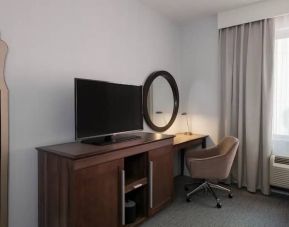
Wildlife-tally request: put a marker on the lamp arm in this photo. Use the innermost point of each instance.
(188, 124)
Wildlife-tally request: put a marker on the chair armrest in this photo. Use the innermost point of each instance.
(204, 153)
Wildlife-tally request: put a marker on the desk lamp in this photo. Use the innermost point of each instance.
(187, 119)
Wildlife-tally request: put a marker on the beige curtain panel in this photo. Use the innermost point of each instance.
(246, 70)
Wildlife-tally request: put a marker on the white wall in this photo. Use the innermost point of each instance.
(50, 43)
(200, 80)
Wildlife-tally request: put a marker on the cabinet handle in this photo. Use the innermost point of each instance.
(122, 197)
(151, 183)
(137, 186)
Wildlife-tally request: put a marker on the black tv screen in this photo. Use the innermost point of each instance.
(103, 108)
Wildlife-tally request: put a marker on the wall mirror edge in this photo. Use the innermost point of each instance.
(4, 133)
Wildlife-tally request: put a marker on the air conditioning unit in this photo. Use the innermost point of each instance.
(279, 171)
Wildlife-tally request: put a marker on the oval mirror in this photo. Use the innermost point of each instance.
(160, 100)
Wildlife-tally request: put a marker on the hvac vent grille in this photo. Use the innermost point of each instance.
(282, 160)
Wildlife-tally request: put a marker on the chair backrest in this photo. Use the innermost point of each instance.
(228, 147)
(228, 144)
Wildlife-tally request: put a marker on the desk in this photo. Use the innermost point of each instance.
(183, 142)
(73, 176)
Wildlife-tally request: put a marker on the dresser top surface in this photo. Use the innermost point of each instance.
(77, 150)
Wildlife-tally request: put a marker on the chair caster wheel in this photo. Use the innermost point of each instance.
(230, 195)
(219, 205)
(186, 188)
(189, 199)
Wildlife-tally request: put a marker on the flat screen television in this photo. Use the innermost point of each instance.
(104, 108)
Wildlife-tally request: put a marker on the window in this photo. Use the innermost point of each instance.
(281, 88)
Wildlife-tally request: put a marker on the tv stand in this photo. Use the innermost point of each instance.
(111, 139)
(87, 185)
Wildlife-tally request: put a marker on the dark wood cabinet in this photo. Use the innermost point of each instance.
(161, 178)
(96, 191)
(83, 185)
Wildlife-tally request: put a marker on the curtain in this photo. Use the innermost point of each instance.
(246, 70)
(281, 88)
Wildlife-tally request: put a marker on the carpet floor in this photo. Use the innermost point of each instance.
(245, 209)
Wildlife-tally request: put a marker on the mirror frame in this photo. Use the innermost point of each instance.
(170, 79)
(4, 137)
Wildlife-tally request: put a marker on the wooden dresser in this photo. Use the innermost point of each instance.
(83, 185)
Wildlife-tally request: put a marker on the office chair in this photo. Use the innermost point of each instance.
(212, 164)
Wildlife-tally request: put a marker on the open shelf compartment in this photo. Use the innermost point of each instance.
(139, 196)
(135, 171)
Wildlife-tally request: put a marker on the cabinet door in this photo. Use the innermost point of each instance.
(161, 178)
(97, 192)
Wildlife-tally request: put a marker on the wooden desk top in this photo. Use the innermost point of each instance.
(181, 138)
(76, 150)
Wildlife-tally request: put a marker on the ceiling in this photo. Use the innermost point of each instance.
(184, 10)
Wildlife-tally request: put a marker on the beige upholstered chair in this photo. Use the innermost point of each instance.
(212, 164)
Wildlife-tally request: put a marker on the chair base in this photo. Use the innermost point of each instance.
(208, 187)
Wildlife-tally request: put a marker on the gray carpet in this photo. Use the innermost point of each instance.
(245, 209)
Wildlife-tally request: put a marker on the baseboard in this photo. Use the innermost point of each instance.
(282, 191)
